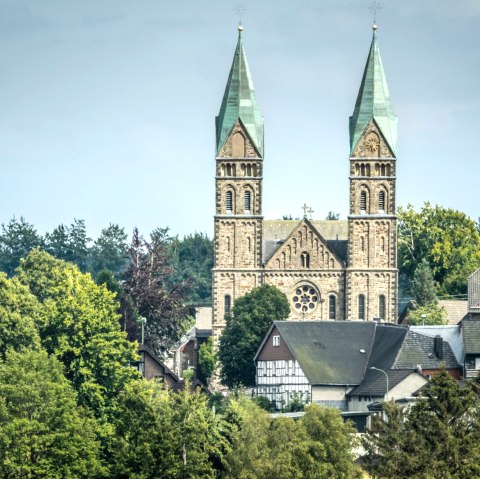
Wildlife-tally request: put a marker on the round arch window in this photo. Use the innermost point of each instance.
(305, 298)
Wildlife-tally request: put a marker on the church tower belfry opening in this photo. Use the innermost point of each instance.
(372, 275)
(238, 191)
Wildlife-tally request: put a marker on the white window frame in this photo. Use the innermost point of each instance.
(276, 341)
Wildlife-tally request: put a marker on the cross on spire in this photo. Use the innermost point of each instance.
(375, 7)
(240, 9)
(305, 209)
(310, 211)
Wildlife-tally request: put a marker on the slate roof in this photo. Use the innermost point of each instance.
(471, 336)
(450, 333)
(275, 232)
(456, 309)
(418, 349)
(329, 352)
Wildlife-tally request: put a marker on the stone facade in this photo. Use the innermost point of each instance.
(339, 270)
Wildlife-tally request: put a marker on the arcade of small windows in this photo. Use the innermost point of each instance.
(332, 307)
(305, 299)
(305, 260)
(229, 169)
(361, 307)
(383, 170)
(248, 170)
(363, 169)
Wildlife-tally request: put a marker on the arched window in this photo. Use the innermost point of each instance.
(305, 260)
(361, 307)
(368, 170)
(381, 201)
(381, 306)
(362, 170)
(229, 169)
(254, 170)
(363, 201)
(249, 170)
(238, 146)
(248, 201)
(332, 307)
(227, 303)
(229, 202)
(382, 170)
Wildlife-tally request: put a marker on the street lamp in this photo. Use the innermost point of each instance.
(143, 322)
(386, 375)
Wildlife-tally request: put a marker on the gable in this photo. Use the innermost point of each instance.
(233, 144)
(269, 352)
(372, 143)
(305, 248)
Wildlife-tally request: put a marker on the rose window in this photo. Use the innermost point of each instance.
(305, 298)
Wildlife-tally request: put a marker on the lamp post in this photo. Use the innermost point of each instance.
(386, 375)
(143, 321)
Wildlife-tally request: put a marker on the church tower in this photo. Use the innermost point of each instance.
(372, 275)
(238, 191)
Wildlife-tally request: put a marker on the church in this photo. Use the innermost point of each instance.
(329, 270)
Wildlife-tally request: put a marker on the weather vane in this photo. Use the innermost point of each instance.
(375, 7)
(240, 10)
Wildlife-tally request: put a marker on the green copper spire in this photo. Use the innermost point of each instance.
(239, 102)
(373, 101)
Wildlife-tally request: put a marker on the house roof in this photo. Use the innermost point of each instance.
(450, 333)
(334, 232)
(418, 349)
(471, 336)
(166, 369)
(456, 309)
(333, 352)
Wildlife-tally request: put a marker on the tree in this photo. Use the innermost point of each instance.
(155, 297)
(18, 238)
(423, 286)
(19, 310)
(446, 238)
(437, 437)
(332, 216)
(252, 315)
(69, 243)
(78, 324)
(207, 360)
(109, 251)
(430, 315)
(193, 263)
(43, 433)
(165, 434)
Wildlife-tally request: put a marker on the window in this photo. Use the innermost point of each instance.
(229, 202)
(305, 260)
(381, 201)
(276, 341)
(305, 298)
(248, 201)
(361, 307)
(381, 306)
(332, 307)
(227, 303)
(363, 201)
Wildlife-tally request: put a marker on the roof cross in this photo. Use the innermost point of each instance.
(240, 9)
(310, 211)
(305, 209)
(375, 7)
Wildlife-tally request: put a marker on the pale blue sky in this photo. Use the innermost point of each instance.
(108, 106)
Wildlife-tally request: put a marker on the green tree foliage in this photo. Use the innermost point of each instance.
(332, 216)
(19, 311)
(18, 238)
(69, 243)
(423, 286)
(78, 324)
(317, 446)
(165, 434)
(207, 360)
(446, 238)
(252, 315)
(430, 315)
(109, 251)
(437, 438)
(193, 262)
(43, 433)
(155, 297)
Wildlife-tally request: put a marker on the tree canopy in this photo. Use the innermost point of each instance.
(252, 315)
(447, 239)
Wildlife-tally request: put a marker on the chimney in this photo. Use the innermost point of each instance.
(438, 346)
